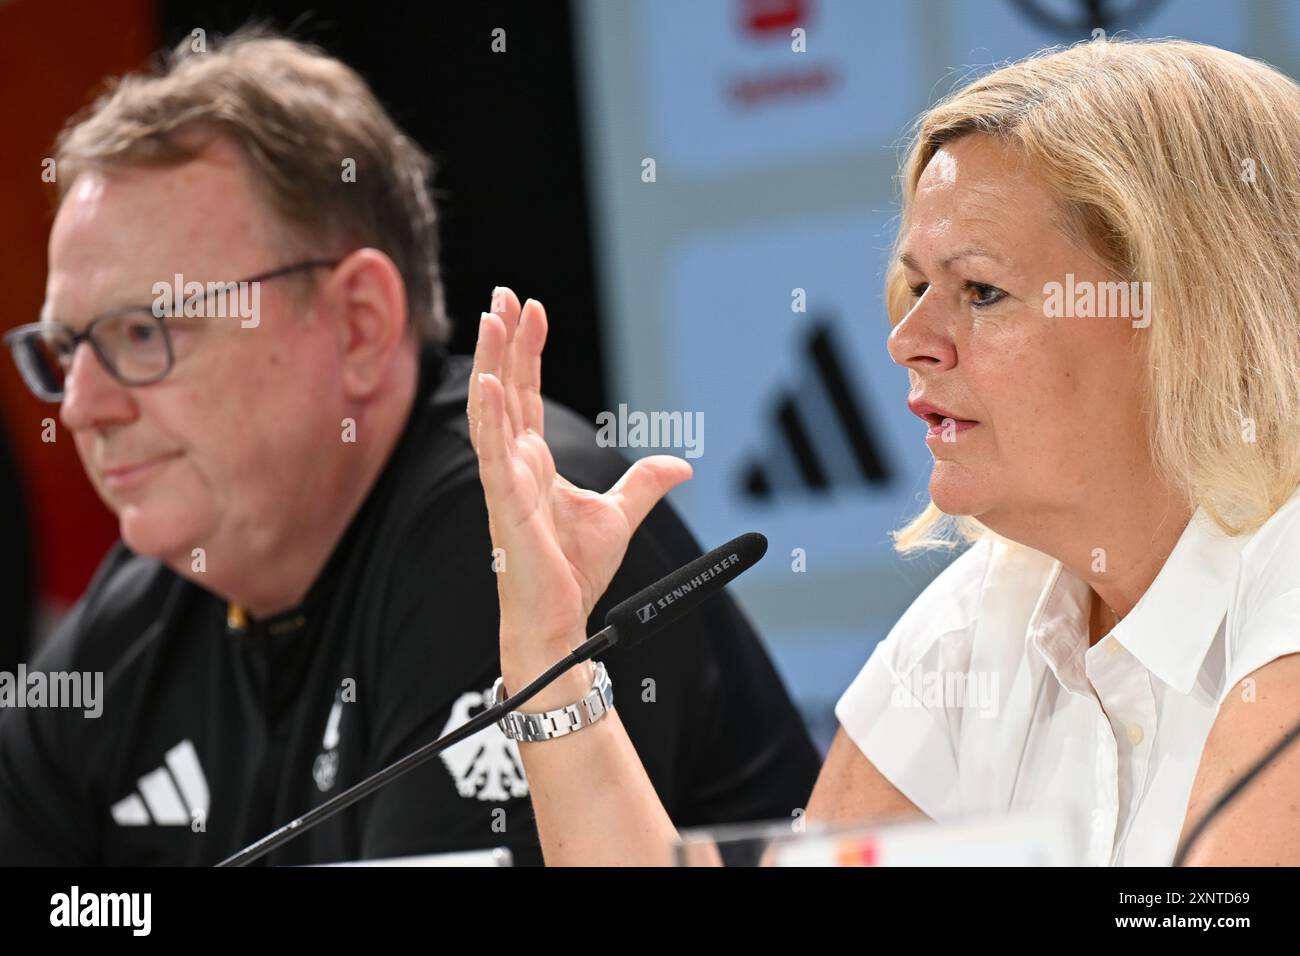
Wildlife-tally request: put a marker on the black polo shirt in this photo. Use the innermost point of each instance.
(214, 732)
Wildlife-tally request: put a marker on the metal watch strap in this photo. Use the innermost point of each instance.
(529, 728)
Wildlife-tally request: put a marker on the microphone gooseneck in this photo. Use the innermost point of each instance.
(629, 623)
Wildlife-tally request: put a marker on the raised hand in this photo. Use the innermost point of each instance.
(562, 544)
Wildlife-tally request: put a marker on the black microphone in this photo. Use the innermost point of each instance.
(665, 601)
(630, 622)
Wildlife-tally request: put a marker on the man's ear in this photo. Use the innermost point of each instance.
(368, 299)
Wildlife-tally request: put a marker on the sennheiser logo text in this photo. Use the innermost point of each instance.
(686, 587)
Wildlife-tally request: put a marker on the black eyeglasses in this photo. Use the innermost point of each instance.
(131, 342)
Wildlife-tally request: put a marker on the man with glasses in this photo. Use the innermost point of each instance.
(131, 342)
(305, 589)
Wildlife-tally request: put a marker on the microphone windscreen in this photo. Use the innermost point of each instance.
(675, 594)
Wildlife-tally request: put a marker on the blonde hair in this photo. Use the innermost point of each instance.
(297, 115)
(1177, 163)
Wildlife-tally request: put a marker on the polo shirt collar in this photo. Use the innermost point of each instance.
(1170, 629)
(1172, 626)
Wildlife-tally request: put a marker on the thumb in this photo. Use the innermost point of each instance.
(642, 485)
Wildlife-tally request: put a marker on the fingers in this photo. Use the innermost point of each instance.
(648, 480)
(511, 349)
(527, 348)
(489, 354)
(505, 305)
(493, 444)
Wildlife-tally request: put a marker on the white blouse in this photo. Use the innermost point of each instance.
(986, 698)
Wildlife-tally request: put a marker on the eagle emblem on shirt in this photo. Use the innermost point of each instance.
(487, 765)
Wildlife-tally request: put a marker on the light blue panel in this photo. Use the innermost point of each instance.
(737, 346)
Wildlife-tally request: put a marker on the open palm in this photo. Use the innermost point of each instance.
(561, 544)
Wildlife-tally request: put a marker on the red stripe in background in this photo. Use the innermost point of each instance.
(53, 59)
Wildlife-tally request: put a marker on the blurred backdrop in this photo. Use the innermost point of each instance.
(702, 192)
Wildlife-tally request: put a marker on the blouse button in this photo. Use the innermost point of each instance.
(1135, 734)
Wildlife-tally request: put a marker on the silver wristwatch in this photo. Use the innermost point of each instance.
(528, 728)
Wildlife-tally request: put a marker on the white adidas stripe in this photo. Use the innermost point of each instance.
(183, 760)
(163, 803)
(131, 812)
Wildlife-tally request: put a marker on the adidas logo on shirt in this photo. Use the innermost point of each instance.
(176, 794)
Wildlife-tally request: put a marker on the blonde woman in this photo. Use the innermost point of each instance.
(1095, 296)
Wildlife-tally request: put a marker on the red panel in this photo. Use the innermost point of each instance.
(53, 59)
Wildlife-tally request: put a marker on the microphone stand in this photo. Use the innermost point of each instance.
(696, 581)
(602, 640)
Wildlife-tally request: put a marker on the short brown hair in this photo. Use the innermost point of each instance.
(298, 115)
